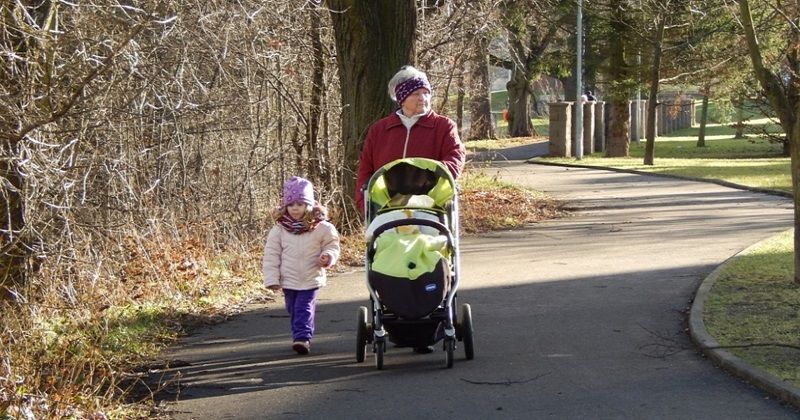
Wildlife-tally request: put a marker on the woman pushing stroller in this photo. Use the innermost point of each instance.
(412, 130)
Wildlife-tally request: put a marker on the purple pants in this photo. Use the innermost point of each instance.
(301, 305)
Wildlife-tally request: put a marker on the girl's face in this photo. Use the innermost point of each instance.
(297, 210)
(418, 102)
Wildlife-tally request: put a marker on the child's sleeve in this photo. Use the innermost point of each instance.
(271, 263)
(330, 244)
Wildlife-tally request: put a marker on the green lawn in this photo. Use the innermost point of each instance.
(754, 161)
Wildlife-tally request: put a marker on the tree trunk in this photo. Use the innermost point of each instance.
(618, 129)
(519, 122)
(739, 105)
(701, 137)
(315, 163)
(655, 75)
(617, 144)
(373, 40)
(460, 104)
(480, 105)
(15, 253)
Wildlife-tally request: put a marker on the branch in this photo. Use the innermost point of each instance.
(505, 383)
(76, 94)
(691, 73)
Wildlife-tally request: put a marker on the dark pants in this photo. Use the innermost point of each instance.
(301, 305)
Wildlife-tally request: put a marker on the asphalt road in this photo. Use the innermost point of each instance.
(578, 318)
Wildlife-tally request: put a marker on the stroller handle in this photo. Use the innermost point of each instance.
(407, 222)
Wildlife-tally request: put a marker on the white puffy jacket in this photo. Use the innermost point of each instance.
(292, 260)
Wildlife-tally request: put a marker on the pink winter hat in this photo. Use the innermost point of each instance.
(298, 189)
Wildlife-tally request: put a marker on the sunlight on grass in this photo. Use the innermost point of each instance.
(501, 143)
(138, 330)
(754, 163)
(754, 302)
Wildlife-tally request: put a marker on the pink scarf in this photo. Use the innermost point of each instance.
(298, 227)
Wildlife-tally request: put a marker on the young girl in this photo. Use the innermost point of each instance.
(299, 248)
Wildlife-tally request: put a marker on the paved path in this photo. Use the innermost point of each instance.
(577, 318)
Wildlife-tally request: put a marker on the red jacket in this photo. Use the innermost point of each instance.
(433, 136)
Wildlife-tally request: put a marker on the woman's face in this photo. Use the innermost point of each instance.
(418, 102)
(297, 210)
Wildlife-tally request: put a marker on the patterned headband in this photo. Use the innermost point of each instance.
(402, 90)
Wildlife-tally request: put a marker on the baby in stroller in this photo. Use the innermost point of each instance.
(409, 251)
(412, 258)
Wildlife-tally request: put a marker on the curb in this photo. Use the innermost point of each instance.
(724, 359)
(687, 178)
(773, 385)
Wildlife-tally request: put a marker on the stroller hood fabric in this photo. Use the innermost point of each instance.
(441, 190)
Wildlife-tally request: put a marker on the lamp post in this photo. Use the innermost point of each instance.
(578, 85)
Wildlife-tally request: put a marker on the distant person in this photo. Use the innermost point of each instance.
(413, 130)
(299, 248)
(590, 96)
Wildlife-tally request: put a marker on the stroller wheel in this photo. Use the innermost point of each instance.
(449, 350)
(465, 319)
(361, 334)
(380, 348)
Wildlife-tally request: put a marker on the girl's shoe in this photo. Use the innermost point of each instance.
(301, 347)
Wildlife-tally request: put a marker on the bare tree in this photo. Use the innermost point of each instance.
(532, 27)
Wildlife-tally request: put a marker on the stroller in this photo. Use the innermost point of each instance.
(412, 262)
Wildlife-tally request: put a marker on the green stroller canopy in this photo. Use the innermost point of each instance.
(430, 177)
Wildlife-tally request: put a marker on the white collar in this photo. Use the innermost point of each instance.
(409, 121)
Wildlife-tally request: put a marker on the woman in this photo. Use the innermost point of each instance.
(413, 130)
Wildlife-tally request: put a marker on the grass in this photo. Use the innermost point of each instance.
(88, 359)
(754, 162)
(488, 203)
(753, 307)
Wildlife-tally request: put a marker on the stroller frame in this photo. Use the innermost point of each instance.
(376, 324)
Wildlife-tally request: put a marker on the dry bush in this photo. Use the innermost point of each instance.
(140, 143)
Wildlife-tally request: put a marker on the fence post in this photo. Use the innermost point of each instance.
(560, 144)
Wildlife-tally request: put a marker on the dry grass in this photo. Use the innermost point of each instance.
(79, 350)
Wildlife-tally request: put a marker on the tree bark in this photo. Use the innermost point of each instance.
(373, 40)
(480, 105)
(738, 104)
(655, 75)
(519, 122)
(315, 163)
(701, 137)
(14, 252)
(617, 144)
